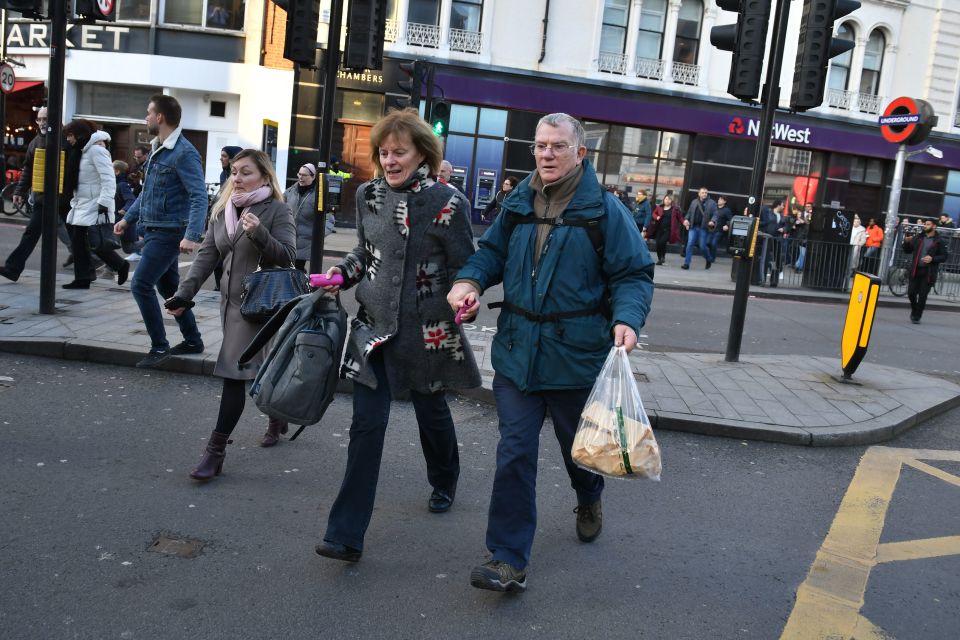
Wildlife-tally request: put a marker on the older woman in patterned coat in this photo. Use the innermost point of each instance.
(413, 235)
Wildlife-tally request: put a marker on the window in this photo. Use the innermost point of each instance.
(424, 11)
(114, 100)
(872, 63)
(134, 10)
(465, 15)
(613, 32)
(212, 14)
(653, 18)
(840, 66)
(688, 32)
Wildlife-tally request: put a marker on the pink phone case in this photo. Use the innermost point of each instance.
(321, 280)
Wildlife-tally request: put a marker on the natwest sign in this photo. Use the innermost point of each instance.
(782, 131)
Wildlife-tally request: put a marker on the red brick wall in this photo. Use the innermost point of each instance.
(275, 29)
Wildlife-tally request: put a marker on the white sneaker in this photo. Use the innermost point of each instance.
(133, 257)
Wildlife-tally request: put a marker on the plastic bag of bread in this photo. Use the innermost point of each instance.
(614, 437)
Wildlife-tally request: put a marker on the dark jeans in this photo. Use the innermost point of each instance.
(82, 258)
(512, 520)
(351, 511)
(17, 259)
(158, 272)
(697, 237)
(917, 291)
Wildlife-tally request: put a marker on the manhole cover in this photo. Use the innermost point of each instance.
(641, 377)
(180, 547)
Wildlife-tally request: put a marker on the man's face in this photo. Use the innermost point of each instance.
(42, 119)
(943, 218)
(152, 120)
(554, 163)
(446, 171)
(808, 208)
(721, 202)
(224, 159)
(139, 156)
(779, 208)
(703, 194)
(929, 226)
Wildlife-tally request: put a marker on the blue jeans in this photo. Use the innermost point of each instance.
(351, 511)
(512, 521)
(698, 237)
(158, 271)
(802, 254)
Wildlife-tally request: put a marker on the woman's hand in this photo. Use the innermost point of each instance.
(176, 305)
(332, 288)
(250, 222)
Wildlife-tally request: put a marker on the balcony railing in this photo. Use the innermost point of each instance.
(391, 31)
(684, 73)
(956, 119)
(612, 63)
(649, 68)
(466, 41)
(423, 35)
(869, 103)
(839, 99)
(854, 100)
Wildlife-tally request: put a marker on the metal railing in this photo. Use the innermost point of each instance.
(391, 32)
(862, 102)
(649, 68)
(423, 35)
(839, 99)
(956, 119)
(612, 63)
(466, 41)
(683, 73)
(869, 103)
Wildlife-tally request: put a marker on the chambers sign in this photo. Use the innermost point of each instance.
(782, 131)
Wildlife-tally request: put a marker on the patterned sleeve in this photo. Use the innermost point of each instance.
(354, 264)
(458, 241)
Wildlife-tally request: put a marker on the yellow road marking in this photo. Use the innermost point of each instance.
(829, 600)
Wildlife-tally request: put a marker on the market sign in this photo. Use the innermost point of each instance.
(907, 121)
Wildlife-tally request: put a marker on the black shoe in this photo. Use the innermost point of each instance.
(914, 319)
(684, 266)
(77, 284)
(659, 263)
(497, 575)
(440, 501)
(68, 261)
(709, 264)
(589, 521)
(153, 359)
(9, 275)
(185, 347)
(123, 273)
(338, 551)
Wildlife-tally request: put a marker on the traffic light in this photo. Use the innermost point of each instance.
(101, 10)
(366, 23)
(303, 17)
(440, 118)
(746, 39)
(410, 86)
(815, 48)
(29, 8)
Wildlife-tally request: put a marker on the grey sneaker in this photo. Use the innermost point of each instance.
(153, 359)
(589, 521)
(185, 348)
(497, 575)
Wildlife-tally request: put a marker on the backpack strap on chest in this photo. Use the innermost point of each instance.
(591, 226)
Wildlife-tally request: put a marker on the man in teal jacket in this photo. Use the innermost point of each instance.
(577, 280)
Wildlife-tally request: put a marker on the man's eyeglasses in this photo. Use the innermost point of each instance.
(558, 148)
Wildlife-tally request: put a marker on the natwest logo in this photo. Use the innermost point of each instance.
(781, 131)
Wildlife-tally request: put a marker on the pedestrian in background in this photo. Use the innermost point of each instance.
(801, 234)
(250, 228)
(871, 255)
(642, 212)
(88, 176)
(701, 218)
(412, 233)
(721, 226)
(123, 200)
(665, 226)
(492, 210)
(858, 238)
(302, 200)
(554, 333)
(929, 252)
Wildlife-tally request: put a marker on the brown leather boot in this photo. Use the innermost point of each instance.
(212, 460)
(274, 429)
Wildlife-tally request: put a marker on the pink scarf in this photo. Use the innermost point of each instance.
(242, 201)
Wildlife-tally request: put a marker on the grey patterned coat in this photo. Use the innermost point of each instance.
(273, 241)
(411, 242)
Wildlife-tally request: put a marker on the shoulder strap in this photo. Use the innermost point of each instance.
(591, 226)
(267, 332)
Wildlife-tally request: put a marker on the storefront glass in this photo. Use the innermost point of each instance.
(358, 106)
(114, 100)
(134, 10)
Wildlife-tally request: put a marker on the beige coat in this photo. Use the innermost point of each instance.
(275, 240)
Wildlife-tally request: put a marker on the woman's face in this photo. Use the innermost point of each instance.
(72, 139)
(856, 221)
(667, 202)
(507, 186)
(224, 159)
(399, 159)
(304, 177)
(246, 176)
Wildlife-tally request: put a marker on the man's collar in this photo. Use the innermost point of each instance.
(168, 142)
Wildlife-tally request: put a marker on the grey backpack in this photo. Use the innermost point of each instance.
(298, 378)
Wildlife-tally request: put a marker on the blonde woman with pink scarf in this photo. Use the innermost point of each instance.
(250, 225)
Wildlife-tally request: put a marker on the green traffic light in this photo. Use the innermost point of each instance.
(438, 128)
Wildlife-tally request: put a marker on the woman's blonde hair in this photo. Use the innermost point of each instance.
(407, 122)
(265, 167)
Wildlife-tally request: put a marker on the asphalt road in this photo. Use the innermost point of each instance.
(94, 462)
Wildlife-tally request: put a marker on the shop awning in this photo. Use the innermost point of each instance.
(20, 85)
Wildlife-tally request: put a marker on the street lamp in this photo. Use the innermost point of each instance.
(893, 206)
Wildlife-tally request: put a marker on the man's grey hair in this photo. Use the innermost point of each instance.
(446, 164)
(556, 119)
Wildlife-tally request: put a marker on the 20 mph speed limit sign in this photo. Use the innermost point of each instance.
(7, 78)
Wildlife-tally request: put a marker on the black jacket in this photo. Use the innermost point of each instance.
(24, 184)
(939, 254)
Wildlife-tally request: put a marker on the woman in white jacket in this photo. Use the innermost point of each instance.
(858, 238)
(89, 176)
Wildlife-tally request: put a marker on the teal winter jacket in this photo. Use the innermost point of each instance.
(538, 355)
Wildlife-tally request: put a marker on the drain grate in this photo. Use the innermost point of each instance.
(59, 301)
(180, 547)
(641, 377)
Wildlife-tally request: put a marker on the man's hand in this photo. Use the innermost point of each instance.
(686, 224)
(17, 201)
(187, 246)
(726, 227)
(119, 228)
(624, 336)
(458, 296)
(927, 259)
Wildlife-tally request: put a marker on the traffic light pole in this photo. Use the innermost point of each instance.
(51, 169)
(332, 66)
(770, 101)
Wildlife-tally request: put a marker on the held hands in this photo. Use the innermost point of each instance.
(119, 228)
(624, 336)
(686, 224)
(464, 295)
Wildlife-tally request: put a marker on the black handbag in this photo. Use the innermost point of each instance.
(265, 291)
(101, 236)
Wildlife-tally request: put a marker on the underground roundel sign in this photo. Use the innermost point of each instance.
(907, 121)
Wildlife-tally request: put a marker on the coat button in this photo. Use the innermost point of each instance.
(395, 279)
(398, 253)
(393, 306)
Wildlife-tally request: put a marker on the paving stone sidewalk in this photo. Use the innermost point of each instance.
(790, 399)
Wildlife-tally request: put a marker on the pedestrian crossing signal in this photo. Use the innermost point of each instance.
(440, 118)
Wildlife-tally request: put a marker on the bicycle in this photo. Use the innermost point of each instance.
(898, 281)
(6, 196)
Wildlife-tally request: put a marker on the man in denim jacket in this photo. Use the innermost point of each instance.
(171, 209)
